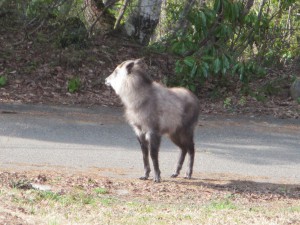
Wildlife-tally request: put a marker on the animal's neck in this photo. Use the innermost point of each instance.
(135, 97)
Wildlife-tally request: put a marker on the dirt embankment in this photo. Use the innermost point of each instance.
(38, 71)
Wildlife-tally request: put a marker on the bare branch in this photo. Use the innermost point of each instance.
(180, 24)
(121, 14)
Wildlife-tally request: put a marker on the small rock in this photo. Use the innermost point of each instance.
(295, 89)
(41, 187)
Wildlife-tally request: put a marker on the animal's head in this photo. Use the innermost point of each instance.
(121, 77)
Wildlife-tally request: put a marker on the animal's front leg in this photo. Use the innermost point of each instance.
(154, 143)
(144, 146)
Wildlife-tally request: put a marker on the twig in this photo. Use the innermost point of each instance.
(38, 27)
(180, 24)
(121, 13)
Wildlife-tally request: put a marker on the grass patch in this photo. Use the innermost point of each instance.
(92, 201)
(47, 195)
(74, 85)
(107, 201)
(295, 209)
(222, 204)
(80, 207)
(101, 191)
(79, 198)
(3, 81)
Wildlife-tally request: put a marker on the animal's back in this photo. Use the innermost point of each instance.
(176, 107)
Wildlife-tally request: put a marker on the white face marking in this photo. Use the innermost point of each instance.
(117, 78)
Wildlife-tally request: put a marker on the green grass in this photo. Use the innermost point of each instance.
(74, 85)
(3, 81)
(167, 203)
(222, 204)
(80, 207)
(101, 191)
(295, 209)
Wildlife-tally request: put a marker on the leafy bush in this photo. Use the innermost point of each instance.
(48, 8)
(73, 85)
(225, 39)
(74, 33)
(3, 81)
(210, 46)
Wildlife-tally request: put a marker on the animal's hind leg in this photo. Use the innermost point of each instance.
(177, 141)
(179, 163)
(144, 146)
(191, 153)
(184, 140)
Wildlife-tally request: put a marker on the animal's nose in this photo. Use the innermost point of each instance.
(106, 82)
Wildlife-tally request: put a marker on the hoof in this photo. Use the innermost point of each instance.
(174, 175)
(156, 180)
(143, 178)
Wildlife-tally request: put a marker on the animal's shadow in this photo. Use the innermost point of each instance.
(248, 188)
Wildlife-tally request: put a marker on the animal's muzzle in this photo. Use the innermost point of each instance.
(107, 83)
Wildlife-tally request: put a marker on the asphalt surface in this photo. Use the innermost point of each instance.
(36, 136)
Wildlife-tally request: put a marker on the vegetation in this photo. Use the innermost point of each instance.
(53, 47)
(90, 199)
(214, 44)
(218, 37)
(225, 38)
(3, 81)
(73, 85)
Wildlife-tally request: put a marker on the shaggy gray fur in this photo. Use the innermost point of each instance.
(154, 110)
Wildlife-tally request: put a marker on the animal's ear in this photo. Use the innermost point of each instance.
(139, 61)
(129, 67)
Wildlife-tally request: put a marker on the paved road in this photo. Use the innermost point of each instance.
(98, 137)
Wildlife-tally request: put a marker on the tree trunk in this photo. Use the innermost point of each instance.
(142, 22)
(171, 29)
(289, 23)
(162, 27)
(181, 23)
(261, 6)
(248, 6)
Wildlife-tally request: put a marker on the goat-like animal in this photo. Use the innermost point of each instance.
(154, 110)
